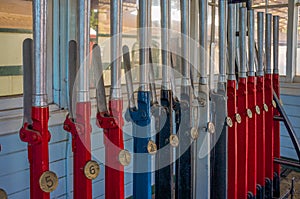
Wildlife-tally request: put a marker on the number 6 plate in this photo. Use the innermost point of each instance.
(48, 181)
(91, 170)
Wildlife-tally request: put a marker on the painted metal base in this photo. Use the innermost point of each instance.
(37, 136)
(141, 159)
(276, 185)
(81, 147)
(260, 192)
(113, 141)
(163, 179)
(268, 189)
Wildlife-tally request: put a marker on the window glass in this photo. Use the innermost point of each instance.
(15, 26)
(282, 13)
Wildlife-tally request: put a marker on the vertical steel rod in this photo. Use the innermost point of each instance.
(231, 104)
(242, 44)
(165, 25)
(116, 47)
(163, 174)
(269, 109)
(260, 125)
(203, 180)
(275, 44)
(142, 118)
(203, 41)
(185, 47)
(40, 61)
(143, 44)
(222, 41)
(268, 40)
(35, 130)
(276, 183)
(260, 41)
(183, 185)
(83, 36)
(251, 86)
(251, 42)
(242, 128)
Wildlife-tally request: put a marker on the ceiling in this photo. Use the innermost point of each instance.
(17, 13)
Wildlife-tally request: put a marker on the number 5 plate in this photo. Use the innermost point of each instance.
(91, 170)
(48, 181)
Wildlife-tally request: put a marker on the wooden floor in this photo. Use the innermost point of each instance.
(285, 183)
(16, 14)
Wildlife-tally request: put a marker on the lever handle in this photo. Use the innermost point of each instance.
(128, 77)
(100, 89)
(152, 80)
(27, 79)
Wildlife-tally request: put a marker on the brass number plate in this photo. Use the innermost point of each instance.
(194, 133)
(91, 169)
(266, 108)
(3, 194)
(274, 104)
(48, 181)
(229, 122)
(151, 147)
(124, 157)
(211, 127)
(257, 109)
(238, 118)
(249, 113)
(174, 141)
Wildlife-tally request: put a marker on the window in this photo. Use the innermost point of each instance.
(15, 26)
(279, 8)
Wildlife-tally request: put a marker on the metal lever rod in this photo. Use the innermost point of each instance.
(100, 89)
(203, 142)
(251, 43)
(260, 41)
(260, 122)
(83, 20)
(73, 69)
(152, 79)
(115, 47)
(222, 41)
(128, 76)
(165, 25)
(275, 44)
(268, 42)
(27, 78)
(40, 60)
(231, 104)
(143, 44)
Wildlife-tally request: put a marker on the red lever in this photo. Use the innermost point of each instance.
(81, 146)
(260, 128)
(269, 126)
(113, 140)
(242, 138)
(252, 169)
(37, 136)
(276, 125)
(232, 140)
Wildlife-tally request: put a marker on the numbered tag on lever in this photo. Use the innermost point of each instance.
(48, 181)
(91, 169)
(174, 140)
(151, 147)
(3, 194)
(124, 157)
